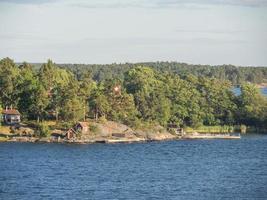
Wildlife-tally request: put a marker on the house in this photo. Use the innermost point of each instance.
(174, 128)
(79, 128)
(11, 116)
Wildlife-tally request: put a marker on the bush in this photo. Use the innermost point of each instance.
(93, 128)
(64, 125)
(12, 129)
(102, 119)
(243, 128)
(43, 130)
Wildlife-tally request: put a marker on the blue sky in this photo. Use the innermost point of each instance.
(107, 31)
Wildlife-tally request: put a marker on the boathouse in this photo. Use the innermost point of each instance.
(11, 116)
(175, 129)
(79, 128)
(82, 127)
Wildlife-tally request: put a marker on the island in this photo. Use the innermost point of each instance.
(56, 103)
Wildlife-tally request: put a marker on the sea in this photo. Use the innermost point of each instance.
(237, 91)
(180, 169)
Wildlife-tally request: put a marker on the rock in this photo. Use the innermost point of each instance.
(23, 139)
(25, 131)
(157, 133)
(108, 128)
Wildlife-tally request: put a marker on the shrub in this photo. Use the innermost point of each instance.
(12, 129)
(64, 125)
(102, 119)
(43, 130)
(243, 128)
(93, 128)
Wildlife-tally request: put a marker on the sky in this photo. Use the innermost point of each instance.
(117, 31)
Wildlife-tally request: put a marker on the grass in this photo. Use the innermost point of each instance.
(210, 129)
(3, 139)
(5, 130)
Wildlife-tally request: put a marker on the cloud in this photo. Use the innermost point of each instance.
(166, 3)
(249, 3)
(142, 3)
(27, 1)
(210, 31)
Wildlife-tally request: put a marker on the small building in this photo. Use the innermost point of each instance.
(79, 128)
(11, 116)
(175, 129)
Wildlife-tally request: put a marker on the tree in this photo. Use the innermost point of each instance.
(39, 102)
(27, 87)
(9, 81)
(99, 104)
(47, 75)
(185, 100)
(253, 106)
(218, 101)
(86, 87)
(72, 105)
(147, 87)
(62, 80)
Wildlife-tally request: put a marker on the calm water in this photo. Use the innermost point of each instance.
(188, 169)
(237, 91)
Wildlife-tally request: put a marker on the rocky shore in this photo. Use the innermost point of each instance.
(110, 132)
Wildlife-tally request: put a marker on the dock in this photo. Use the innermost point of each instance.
(211, 136)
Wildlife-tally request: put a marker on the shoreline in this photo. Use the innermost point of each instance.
(111, 132)
(261, 85)
(22, 139)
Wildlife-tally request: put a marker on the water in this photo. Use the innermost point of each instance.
(187, 169)
(264, 91)
(237, 91)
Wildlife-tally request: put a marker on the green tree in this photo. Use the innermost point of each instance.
(72, 105)
(253, 106)
(86, 87)
(43, 130)
(39, 102)
(27, 87)
(147, 87)
(9, 80)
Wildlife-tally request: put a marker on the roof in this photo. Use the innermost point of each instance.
(11, 112)
(83, 124)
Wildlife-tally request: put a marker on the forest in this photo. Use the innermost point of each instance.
(236, 75)
(134, 94)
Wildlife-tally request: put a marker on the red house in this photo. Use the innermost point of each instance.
(80, 127)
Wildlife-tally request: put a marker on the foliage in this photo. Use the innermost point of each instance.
(1, 115)
(9, 80)
(157, 93)
(252, 106)
(93, 128)
(211, 129)
(43, 130)
(234, 74)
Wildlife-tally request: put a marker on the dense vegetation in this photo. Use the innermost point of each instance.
(236, 75)
(140, 95)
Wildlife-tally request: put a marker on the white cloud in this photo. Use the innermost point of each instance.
(142, 3)
(121, 31)
(214, 2)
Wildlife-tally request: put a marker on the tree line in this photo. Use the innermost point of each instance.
(236, 75)
(142, 95)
